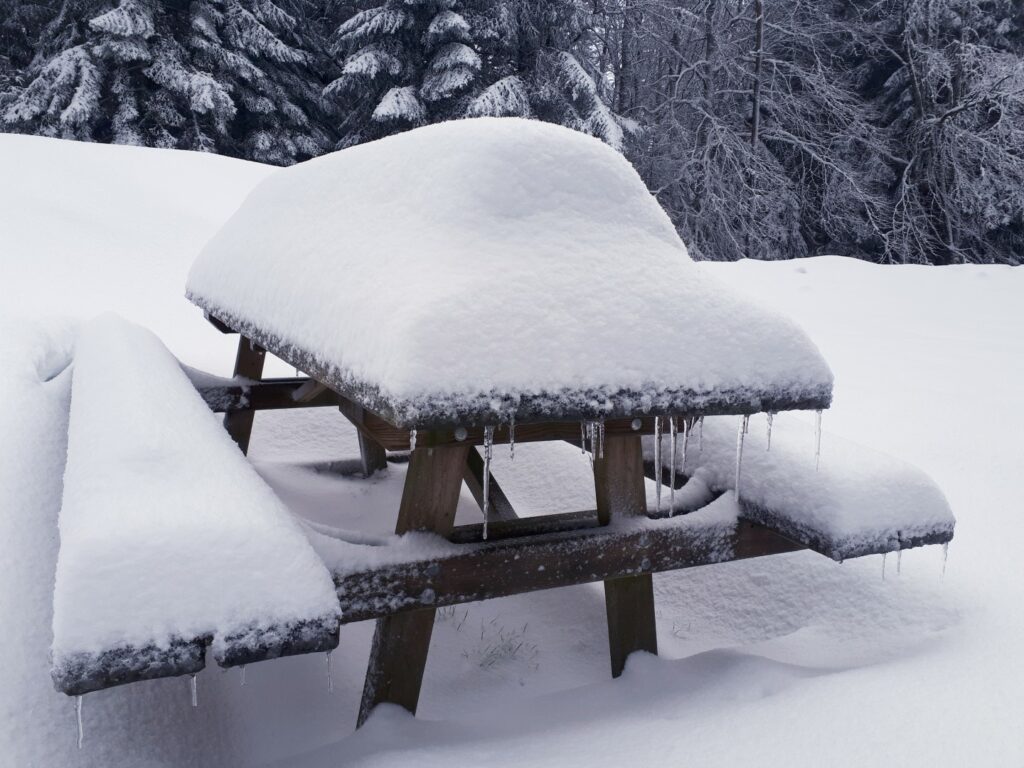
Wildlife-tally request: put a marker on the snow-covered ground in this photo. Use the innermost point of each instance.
(792, 660)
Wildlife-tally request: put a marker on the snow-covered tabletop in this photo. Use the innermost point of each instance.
(477, 270)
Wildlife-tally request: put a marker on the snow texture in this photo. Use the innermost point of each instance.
(168, 536)
(857, 502)
(471, 270)
(813, 658)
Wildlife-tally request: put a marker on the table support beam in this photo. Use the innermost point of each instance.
(629, 600)
(401, 641)
(248, 364)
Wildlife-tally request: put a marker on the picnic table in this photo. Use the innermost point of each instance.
(444, 318)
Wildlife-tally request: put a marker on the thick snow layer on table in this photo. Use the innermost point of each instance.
(167, 533)
(478, 267)
(853, 501)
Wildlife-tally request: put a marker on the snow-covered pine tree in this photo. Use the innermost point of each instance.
(403, 63)
(231, 76)
(409, 62)
(21, 24)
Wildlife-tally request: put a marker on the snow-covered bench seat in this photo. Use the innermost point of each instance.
(479, 271)
(169, 539)
(854, 501)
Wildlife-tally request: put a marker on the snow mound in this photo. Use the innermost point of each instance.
(855, 502)
(168, 536)
(476, 269)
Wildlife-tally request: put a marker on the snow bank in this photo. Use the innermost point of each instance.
(856, 502)
(168, 536)
(463, 271)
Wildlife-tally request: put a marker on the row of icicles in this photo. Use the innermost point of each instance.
(593, 433)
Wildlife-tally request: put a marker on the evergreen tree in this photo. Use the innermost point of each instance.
(409, 62)
(21, 24)
(229, 76)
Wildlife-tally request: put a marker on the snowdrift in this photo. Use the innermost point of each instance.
(478, 269)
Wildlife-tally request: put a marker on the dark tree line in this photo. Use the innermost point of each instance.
(892, 130)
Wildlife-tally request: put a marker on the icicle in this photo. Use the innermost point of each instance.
(657, 464)
(195, 690)
(884, 555)
(817, 438)
(488, 450)
(512, 437)
(330, 677)
(687, 429)
(600, 437)
(771, 418)
(899, 561)
(673, 439)
(412, 439)
(242, 670)
(945, 557)
(700, 434)
(78, 717)
(744, 425)
(583, 437)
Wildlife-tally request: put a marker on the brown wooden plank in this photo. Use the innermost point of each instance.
(557, 559)
(499, 508)
(263, 395)
(371, 454)
(401, 641)
(629, 601)
(524, 526)
(530, 409)
(309, 391)
(248, 364)
(218, 324)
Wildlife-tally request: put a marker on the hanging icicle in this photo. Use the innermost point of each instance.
(412, 439)
(771, 418)
(884, 555)
(673, 439)
(600, 437)
(488, 444)
(195, 690)
(744, 425)
(657, 464)
(78, 718)
(242, 670)
(330, 677)
(700, 434)
(583, 437)
(945, 557)
(512, 436)
(899, 561)
(817, 439)
(687, 429)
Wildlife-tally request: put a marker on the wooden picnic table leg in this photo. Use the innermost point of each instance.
(248, 364)
(629, 600)
(400, 642)
(371, 454)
